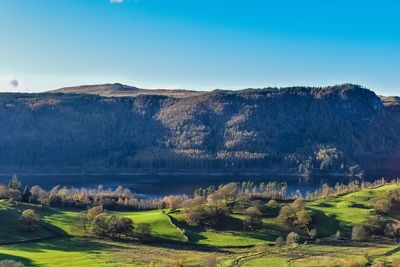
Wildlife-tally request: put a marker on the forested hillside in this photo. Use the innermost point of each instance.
(343, 129)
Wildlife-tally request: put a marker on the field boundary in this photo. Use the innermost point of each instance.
(170, 219)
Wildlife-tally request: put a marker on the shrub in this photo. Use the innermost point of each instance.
(280, 241)
(292, 238)
(382, 206)
(272, 204)
(252, 221)
(374, 225)
(313, 233)
(29, 220)
(345, 204)
(359, 233)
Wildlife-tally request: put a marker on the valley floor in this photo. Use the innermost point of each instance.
(58, 242)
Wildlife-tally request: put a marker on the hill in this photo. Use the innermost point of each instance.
(59, 241)
(337, 129)
(121, 90)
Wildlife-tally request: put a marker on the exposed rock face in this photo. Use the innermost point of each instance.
(294, 129)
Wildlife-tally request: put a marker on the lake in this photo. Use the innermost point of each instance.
(153, 186)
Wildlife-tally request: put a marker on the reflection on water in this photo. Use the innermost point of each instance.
(161, 185)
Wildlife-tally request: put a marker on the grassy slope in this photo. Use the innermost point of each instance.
(334, 214)
(60, 252)
(161, 226)
(10, 230)
(344, 212)
(230, 233)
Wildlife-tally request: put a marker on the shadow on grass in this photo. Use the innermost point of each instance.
(392, 251)
(327, 225)
(233, 226)
(65, 245)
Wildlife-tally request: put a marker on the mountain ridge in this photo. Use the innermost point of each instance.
(336, 129)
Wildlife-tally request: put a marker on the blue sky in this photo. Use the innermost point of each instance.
(201, 45)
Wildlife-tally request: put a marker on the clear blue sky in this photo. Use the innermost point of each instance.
(205, 44)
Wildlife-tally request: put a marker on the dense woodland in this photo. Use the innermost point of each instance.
(345, 129)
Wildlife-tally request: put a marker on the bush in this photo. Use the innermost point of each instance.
(292, 238)
(313, 233)
(280, 241)
(29, 220)
(10, 263)
(253, 219)
(345, 204)
(359, 233)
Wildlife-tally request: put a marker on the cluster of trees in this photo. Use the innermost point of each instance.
(291, 239)
(267, 190)
(98, 222)
(82, 198)
(378, 225)
(295, 214)
(211, 205)
(339, 189)
(388, 204)
(209, 210)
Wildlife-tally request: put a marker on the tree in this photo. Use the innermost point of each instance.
(313, 233)
(303, 219)
(100, 225)
(26, 194)
(272, 204)
(143, 232)
(14, 183)
(382, 206)
(253, 219)
(359, 233)
(122, 226)
(288, 214)
(392, 229)
(29, 220)
(374, 225)
(227, 192)
(292, 238)
(94, 212)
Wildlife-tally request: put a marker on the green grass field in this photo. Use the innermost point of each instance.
(161, 226)
(58, 243)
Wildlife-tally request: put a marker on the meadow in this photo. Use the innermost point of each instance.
(58, 242)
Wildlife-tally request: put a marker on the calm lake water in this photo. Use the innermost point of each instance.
(161, 185)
